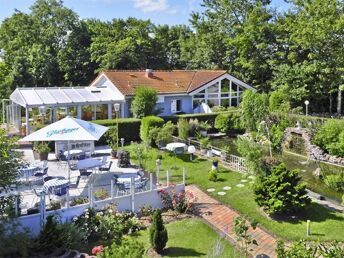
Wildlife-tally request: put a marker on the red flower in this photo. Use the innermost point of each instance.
(97, 249)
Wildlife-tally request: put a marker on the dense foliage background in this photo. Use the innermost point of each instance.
(298, 52)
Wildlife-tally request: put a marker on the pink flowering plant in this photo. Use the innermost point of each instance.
(180, 202)
(97, 249)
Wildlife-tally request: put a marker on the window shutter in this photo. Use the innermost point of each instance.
(174, 106)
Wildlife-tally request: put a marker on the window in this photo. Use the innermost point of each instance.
(176, 105)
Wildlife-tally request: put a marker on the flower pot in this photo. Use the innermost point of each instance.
(114, 153)
(203, 133)
(43, 156)
(203, 151)
(36, 155)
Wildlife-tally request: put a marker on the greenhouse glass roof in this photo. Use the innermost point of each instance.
(69, 96)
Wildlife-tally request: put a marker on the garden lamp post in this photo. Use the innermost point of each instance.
(306, 103)
(265, 126)
(191, 150)
(122, 142)
(116, 108)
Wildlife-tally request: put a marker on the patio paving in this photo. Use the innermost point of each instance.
(98, 179)
(221, 217)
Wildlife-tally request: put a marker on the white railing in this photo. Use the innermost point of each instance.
(234, 162)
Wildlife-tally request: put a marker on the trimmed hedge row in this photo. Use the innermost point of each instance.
(210, 117)
(128, 128)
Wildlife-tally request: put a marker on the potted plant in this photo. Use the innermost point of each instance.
(41, 150)
(204, 127)
(204, 143)
(111, 139)
(101, 194)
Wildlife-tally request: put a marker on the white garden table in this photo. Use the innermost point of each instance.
(174, 145)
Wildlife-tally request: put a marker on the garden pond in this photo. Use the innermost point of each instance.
(294, 158)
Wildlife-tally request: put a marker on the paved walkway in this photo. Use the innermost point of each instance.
(221, 218)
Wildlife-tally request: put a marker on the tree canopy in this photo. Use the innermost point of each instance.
(298, 52)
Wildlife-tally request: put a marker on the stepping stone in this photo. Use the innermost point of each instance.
(211, 190)
(303, 170)
(243, 180)
(221, 193)
(251, 182)
(251, 177)
(227, 188)
(303, 162)
(240, 185)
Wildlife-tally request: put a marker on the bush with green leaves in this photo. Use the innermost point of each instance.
(54, 236)
(254, 109)
(165, 133)
(147, 124)
(212, 175)
(330, 137)
(158, 233)
(281, 192)
(223, 123)
(251, 151)
(307, 249)
(279, 101)
(183, 128)
(127, 248)
(144, 101)
(335, 182)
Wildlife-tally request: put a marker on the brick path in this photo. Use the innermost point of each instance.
(221, 218)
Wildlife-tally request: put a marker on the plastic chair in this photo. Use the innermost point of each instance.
(106, 167)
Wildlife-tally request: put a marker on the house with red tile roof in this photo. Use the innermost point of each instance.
(179, 91)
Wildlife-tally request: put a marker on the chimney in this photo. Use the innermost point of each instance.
(149, 73)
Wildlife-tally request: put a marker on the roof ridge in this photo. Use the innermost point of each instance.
(176, 70)
(191, 82)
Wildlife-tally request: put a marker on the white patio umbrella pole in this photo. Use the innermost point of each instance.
(68, 149)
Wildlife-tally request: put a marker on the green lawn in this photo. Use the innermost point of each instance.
(325, 224)
(189, 238)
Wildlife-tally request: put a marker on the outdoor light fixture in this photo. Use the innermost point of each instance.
(306, 103)
(122, 142)
(116, 107)
(191, 150)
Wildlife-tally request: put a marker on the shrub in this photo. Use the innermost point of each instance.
(223, 123)
(306, 249)
(329, 134)
(204, 142)
(281, 192)
(128, 248)
(183, 129)
(335, 182)
(54, 236)
(41, 147)
(278, 101)
(128, 128)
(212, 175)
(147, 123)
(218, 109)
(143, 102)
(251, 151)
(101, 194)
(165, 133)
(158, 233)
(254, 109)
(78, 201)
(180, 202)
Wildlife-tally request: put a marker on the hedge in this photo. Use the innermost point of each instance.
(210, 117)
(128, 128)
(147, 123)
